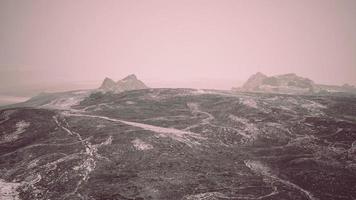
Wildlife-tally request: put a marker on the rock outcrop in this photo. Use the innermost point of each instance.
(286, 83)
(128, 83)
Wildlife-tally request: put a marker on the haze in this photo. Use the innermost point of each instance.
(66, 44)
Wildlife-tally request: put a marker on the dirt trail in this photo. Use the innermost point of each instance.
(91, 153)
(258, 168)
(186, 137)
(194, 107)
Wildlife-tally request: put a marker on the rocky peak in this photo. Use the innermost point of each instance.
(289, 83)
(128, 83)
(130, 77)
(259, 74)
(254, 81)
(108, 80)
(107, 84)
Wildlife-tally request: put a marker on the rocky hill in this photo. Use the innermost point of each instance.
(128, 83)
(290, 84)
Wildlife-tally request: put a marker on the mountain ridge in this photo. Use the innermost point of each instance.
(290, 83)
(130, 82)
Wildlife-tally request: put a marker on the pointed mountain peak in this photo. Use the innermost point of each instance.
(107, 84)
(130, 77)
(108, 80)
(254, 81)
(130, 82)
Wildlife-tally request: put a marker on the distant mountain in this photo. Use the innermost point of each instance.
(290, 84)
(254, 81)
(128, 83)
(65, 100)
(108, 84)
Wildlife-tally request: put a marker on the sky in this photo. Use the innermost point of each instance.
(173, 43)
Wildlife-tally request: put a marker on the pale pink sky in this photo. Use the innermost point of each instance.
(181, 43)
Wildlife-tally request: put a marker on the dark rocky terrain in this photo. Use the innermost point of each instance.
(179, 144)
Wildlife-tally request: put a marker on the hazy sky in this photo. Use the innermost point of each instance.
(175, 43)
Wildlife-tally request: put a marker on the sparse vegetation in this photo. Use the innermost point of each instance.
(245, 146)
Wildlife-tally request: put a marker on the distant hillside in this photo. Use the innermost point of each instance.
(290, 84)
(64, 100)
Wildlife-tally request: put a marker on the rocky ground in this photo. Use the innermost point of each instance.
(180, 144)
